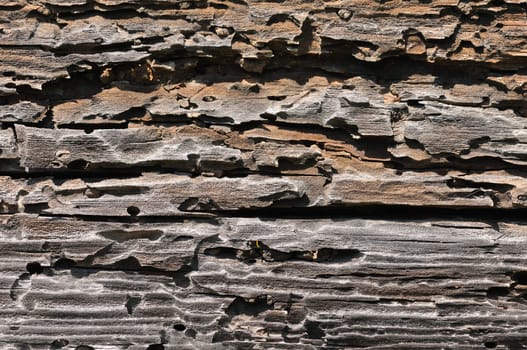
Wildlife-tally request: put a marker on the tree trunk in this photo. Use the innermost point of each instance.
(263, 174)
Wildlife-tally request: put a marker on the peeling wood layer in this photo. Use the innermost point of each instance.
(263, 175)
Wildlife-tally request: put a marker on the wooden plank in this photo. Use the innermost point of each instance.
(249, 174)
(255, 281)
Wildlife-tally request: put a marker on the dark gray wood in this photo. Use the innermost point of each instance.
(240, 282)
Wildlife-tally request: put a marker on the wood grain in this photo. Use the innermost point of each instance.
(263, 174)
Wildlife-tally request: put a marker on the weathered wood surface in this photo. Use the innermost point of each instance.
(290, 284)
(263, 174)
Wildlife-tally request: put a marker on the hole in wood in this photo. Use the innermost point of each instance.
(268, 116)
(131, 303)
(490, 345)
(255, 88)
(495, 292)
(209, 98)
(276, 98)
(59, 343)
(242, 306)
(179, 327)
(64, 263)
(155, 347)
(520, 277)
(133, 211)
(313, 330)
(79, 164)
(34, 267)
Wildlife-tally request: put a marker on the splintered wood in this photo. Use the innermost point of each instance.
(263, 174)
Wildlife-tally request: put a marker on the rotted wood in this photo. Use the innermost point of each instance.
(263, 175)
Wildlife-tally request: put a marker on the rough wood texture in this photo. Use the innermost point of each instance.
(263, 174)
